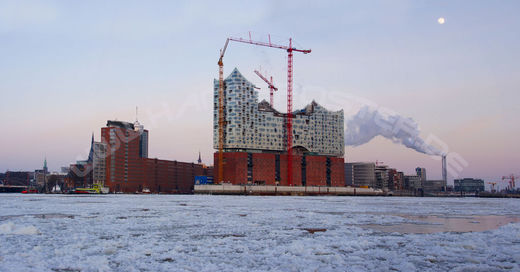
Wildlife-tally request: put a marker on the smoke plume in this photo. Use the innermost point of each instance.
(369, 123)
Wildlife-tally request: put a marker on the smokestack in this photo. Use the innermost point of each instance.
(444, 172)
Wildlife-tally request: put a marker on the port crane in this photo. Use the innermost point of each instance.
(511, 179)
(289, 49)
(272, 88)
(492, 186)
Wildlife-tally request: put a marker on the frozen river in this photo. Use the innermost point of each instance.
(248, 233)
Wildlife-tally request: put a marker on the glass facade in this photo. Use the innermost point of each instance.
(256, 126)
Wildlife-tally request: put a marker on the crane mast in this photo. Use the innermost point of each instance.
(272, 88)
(221, 120)
(289, 114)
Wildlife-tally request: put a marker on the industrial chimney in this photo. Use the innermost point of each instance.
(444, 172)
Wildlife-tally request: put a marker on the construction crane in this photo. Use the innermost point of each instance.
(272, 88)
(221, 120)
(511, 179)
(290, 49)
(492, 186)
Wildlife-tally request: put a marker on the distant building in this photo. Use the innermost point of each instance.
(207, 170)
(17, 178)
(412, 182)
(360, 174)
(56, 182)
(469, 185)
(80, 175)
(91, 171)
(85, 173)
(143, 139)
(98, 163)
(434, 186)
(400, 181)
(125, 148)
(382, 177)
(395, 180)
(40, 176)
(128, 170)
(421, 172)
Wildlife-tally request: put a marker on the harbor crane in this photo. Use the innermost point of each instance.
(492, 186)
(511, 179)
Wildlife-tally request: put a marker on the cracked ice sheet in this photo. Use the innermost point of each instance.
(238, 233)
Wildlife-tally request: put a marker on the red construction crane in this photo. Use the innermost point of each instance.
(511, 178)
(290, 49)
(272, 88)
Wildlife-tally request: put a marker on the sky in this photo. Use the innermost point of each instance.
(66, 67)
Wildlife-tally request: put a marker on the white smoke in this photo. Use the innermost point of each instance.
(369, 123)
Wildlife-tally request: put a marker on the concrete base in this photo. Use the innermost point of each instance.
(229, 189)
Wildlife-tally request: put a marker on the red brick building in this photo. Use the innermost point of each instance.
(128, 169)
(17, 178)
(271, 169)
(162, 176)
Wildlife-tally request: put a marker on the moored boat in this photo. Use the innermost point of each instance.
(96, 189)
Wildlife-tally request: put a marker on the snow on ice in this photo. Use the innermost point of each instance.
(242, 233)
(10, 228)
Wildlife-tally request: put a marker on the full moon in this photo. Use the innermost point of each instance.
(441, 20)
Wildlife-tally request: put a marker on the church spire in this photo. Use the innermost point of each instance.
(199, 160)
(91, 153)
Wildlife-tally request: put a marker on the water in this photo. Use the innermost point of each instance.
(436, 223)
(208, 233)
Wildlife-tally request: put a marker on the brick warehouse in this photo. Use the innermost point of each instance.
(128, 169)
(254, 140)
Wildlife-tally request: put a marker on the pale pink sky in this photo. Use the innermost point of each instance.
(67, 67)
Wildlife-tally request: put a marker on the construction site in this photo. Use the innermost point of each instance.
(259, 145)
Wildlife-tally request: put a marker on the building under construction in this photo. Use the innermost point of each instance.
(255, 136)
